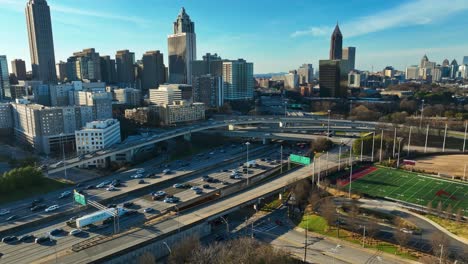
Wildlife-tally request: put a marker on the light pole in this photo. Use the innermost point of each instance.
(227, 225)
(381, 146)
(281, 154)
(422, 110)
(441, 251)
(394, 143)
(63, 155)
(398, 160)
(328, 130)
(427, 135)
(445, 136)
(168, 248)
(247, 162)
(409, 140)
(339, 155)
(351, 170)
(373, 144)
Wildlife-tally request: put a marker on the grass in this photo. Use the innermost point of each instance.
(457, 228)
(49, 185)
(413, 188)
(318, 224)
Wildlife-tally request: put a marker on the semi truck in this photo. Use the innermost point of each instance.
(99, 216)
(251, 164)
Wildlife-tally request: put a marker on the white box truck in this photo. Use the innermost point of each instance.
(97, 217)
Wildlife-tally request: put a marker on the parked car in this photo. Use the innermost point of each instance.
(74, 232)
(42, 239)
(56, 232)
(52, 208)
(148, 210)
(9, 239)
(26, 238)
(206, 186)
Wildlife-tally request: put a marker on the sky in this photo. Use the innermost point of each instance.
(277, 36)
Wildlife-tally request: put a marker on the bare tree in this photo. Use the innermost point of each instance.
(459, 216)
(301, 191)
(328, 211)
(183, 251)
(439, 209)
(429, 207)
(440, 243)
(372, 229)
(314, 198)
(448, 212)
(401, 237)
(147, 258)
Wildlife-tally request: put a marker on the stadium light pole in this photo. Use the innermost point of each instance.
(394, 143)
(362, 147)
(409, 140)
(422, 111)
(464, 138)
(381, 147)
(281, 154)
(247, 162)
(351, 170)
(328, 130)
(319, 169)
(373, 144)
(445, 136)
(326, 172)
(398, 160)
(339, 156)
(427, 135)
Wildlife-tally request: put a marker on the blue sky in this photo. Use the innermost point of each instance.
(276, 35)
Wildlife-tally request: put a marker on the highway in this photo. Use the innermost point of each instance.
(27, 252)
(22, 208)
(198, 214)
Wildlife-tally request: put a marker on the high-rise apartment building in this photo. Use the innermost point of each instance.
(87, 65)
(165, 94)
(153, 72)
(208, 89)
(128, 96)
(412, 72)
(305, 73)
(333, 78)
(108, 71)
(60, 94)
(61, 69)
(349, 53)
(18, 68)
(181, 111)
(238, 80)
(41, 42)
(336, 44)
(101, 103)
(4, 78)
(6, 118)
(182, 49)
(465, 60)
(125, 62)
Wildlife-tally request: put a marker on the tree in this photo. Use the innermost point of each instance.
(429, 207)
(372, 229)
(401, 237)
(328, 211)
(314, 198)
(321, 144)
(409, 106)
(440, 243)
(459, 216)
(364, 114)
(301, 192)
(182, 252)
(147, 258)
(439, 208)
(448, 212)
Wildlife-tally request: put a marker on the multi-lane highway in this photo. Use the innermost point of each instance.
(24, 214)
(25, 252)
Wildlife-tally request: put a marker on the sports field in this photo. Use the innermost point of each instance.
(412, 187)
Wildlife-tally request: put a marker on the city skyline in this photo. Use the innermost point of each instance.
(381, 40)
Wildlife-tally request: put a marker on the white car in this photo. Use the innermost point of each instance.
(166, 171)
(194, 188)
(404, 230)
(52, 208)
(65, 194)
(74, 232)
(140, 171)
(4, 211)
(110, 188)
(137, 176)
(148, 210)
(177, 185)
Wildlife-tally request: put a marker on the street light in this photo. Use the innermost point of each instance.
(422, 110)
(63, 154)
(328, 130)
(399, 143)
(247, 162)
(168, 248)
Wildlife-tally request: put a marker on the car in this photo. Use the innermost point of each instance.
(52, 208)
(206, 186)
(215, 180)
(110, 188)
(407, 231)
(153, 175)
(225, 183)
(74, 232)
(140, 171)
(4, 212)
(111, 205)
(141, 181)
(89, 187)
(198, 191)
(194, 188)
(186, 186)
(11, 217)
(171, 200)
(42, 239)
(38, 207)
(130, 212)
(56, 232)
(137, 176)
(26, 238)
(128, 204)
(211, 180)
(212, 153)
(167, 171)
(65, 194)
(177, 185)
(37, 201)
(102, 184)
(115, 182)
(148, 210)
(9, 239)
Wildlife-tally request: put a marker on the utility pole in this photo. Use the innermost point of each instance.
(339, 157)
(398, 160)
(381, 147)
(445, 136)
(422, 111)
(305, 243)
(281, 154)
(319, 169)
(363, 236)
(326, 172)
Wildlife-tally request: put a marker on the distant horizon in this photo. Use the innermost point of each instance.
(394, 34)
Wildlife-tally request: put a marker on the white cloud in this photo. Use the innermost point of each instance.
(313, 31)
(418, 12)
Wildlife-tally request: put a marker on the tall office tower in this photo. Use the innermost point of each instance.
(211, 64)
(306, 73)
(18, 68)
(61, 69)
(4, 78)
(465, 60)
(88, 65)
(125, 62)
(182, 49)
(423, 62)
(446, 62)
(349, 53)
(412, 72)
(41, 42)
(238, 80)
(453, 68)
(333, 78)
(108, 72)
(208, 89)
(153, 70)
(336, 44)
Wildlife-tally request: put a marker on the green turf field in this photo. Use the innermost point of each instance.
(413, 188)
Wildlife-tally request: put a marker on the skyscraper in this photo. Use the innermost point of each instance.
(108, 72)
(4, 78)
(125, 61)
(153, 70)
(349, 53)
(182, 49)
(333, 78)
(306, 73)
(61, 69)
(238, 80)
(18, 68)
(336, 44)
(41, 42)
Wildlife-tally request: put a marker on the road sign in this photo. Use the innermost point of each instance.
(299, 159)
(79, 198)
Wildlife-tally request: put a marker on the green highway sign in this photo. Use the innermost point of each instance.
(299, 159)
(79, 198)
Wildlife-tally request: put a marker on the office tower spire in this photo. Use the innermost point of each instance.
(41, 43)
(183, 24)
(336, 44)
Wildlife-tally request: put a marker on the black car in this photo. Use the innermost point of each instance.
(112, 206)
(225, 170)
(56, 232)
(89, 187)
(115, 183)
(210, 180)
(128, 204)
(38, 207)
(37, 201)
(9, 239)
(141, 181)
(206, 186)
(186, 186)
(42, 239)
(215, 180)
(26, 238)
